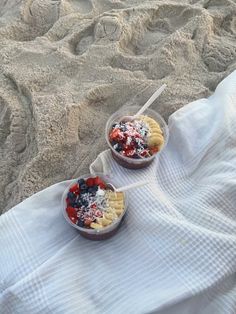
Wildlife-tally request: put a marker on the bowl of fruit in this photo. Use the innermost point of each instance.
(92, 206)
(136, 142)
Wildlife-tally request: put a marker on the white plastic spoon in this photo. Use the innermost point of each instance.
(146, 105)
(130, 186)
(150, 100)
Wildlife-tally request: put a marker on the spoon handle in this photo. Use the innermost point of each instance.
(131, 186)
(150, 100)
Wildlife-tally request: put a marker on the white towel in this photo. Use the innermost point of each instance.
(175, 252)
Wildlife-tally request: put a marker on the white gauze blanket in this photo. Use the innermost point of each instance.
(175, 252)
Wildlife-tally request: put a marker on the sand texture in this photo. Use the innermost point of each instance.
(66, 65)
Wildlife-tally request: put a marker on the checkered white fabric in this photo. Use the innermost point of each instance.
(175, 252)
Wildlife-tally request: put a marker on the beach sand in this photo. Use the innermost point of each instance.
(65, 66)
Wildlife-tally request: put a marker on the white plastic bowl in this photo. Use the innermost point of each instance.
(129, 162)
(94, 234)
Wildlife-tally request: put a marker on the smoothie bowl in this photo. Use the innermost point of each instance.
(92, 206)
(134, 143)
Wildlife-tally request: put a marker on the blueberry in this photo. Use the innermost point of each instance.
(85, 203)
(90, 190)
(79, 203)
(83, 186)
(80, 223)
(145, 146)
(71, 195)
(94, 188)
(84, 191)
(119, 148)
(113, 125)
(81, 182)
(113, 143)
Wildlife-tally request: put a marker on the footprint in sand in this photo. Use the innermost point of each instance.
(229, 24)
(108, 27)
(214, 4)
(7, 6)
(146, 50)
(83, 6)
(166, 20)
(42, 14)
(218, 57)
(85, 42)
(82, 40)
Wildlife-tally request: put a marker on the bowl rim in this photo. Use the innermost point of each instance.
(126, 109)
(87, 230)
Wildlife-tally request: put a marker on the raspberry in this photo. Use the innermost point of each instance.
(72, 214)
(98, 181)
(75, 189)
(90, 182)
(73, 219)
(102, 185)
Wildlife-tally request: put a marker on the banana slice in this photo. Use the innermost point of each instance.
(112, 211)
(115, 196)
(116, 203)
(119, 212)
(103, 221)
(155, 136)
(95, 225)
(118, 208)
(155, 129)
(147, 119)
(110, 215)
(115, 207)
(155, 140)
(116, 200)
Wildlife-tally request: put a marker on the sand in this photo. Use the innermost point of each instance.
(65, 66)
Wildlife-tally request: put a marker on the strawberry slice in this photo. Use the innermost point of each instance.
(144, 153)
(72, 214)
(98, 181)
(90, 182)
(154, 150)
(116, 134)
(129, 152)
(88, 221)
(98, 213)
